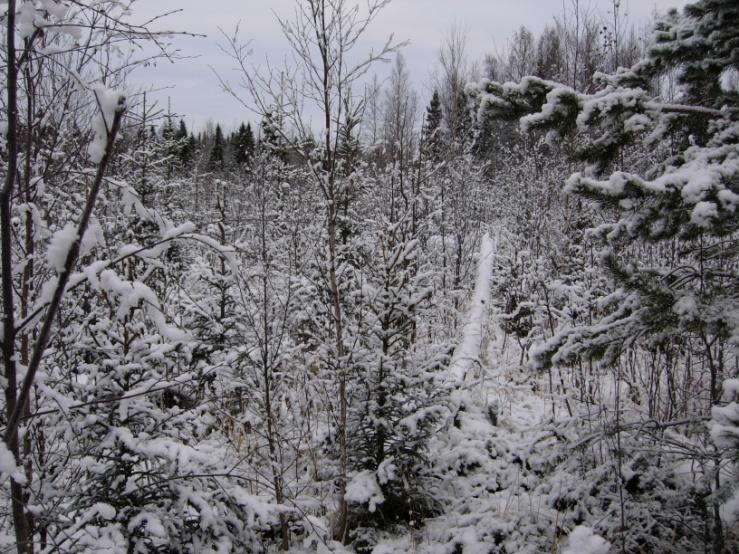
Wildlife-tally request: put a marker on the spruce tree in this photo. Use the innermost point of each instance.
(184, 149)
(243, 145)
(668, 230)
(217, 158)
(689, 196)
(397, 400)
(432, 135)
(272, 138)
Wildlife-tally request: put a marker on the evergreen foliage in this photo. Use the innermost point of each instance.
(682, 199)
(432, 135)
(506, 323)
(242, 145)
(217, 156)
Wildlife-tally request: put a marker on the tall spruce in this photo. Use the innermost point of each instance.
(217, 158)
(243, 145)
(432, 135)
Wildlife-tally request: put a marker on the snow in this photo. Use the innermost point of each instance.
(316, 532)
(61, 242)
(731, 388)
(603, 102)
(133, 293)
(151, 523)
(41, 15)
(176, 231)
(703, 214)
(387, 471)
(481, 481)
(26, 19)
(105, 511)
(686, 306)
(583, 540)
(723, 425)
(7, 465)
(698, 183)
(364, 489)
(558, 102)
(55, 8)
(637, 123)
(507, 472)
(467, 354)
(108, 101)
(729, 200)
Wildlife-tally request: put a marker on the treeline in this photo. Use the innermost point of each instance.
(210, 150)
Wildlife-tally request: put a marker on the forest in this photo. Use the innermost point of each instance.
(501, 319)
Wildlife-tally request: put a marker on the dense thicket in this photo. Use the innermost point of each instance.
(506, 321)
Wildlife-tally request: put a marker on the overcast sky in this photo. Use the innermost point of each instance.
(196, 94)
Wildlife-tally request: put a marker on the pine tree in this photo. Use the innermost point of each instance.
(217, 157)
(243, 145)
(184, 145)
(191, 149)
(432, 135)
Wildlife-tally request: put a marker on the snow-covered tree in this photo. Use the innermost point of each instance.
(395, 380)
(671, 225)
